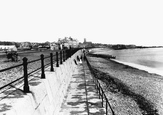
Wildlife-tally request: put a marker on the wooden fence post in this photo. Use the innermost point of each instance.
(26, 85)
(42, 67)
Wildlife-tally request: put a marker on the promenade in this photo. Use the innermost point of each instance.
(68, 90)
(81, 97)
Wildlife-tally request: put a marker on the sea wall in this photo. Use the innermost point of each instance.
(46, 95)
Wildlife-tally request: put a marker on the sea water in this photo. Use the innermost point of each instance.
(148, 59)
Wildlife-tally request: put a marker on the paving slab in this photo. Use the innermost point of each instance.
(82, 97)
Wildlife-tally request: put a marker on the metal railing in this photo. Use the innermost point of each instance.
(100, 90)
(57, 57)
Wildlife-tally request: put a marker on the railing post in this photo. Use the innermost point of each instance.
(102, 98)
(42, 67)
(51, 61)
(64, 55)
(84, 57)
(57, 61)
(99, 90)
(68, 53)
(61, 57)
(106, 106)
(26, 86)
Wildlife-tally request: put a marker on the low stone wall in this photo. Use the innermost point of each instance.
(46, 95)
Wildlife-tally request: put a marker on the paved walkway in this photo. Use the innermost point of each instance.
(82, 97)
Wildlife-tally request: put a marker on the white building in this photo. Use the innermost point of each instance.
(8, 47)
(69, 42)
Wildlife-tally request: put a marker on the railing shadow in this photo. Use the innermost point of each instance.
(10, 94)
(4, 107)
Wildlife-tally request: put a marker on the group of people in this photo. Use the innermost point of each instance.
(13, 55)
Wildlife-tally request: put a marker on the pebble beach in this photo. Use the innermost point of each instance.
(129, 90)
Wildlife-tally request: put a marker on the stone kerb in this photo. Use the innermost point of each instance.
(46, 95)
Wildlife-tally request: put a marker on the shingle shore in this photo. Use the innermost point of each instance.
(131, 91)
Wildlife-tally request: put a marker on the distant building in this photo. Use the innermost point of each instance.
(54, 46)
(68, 42)
(85, 40)
(25, 46)
(34, 44)
(8, 47)
(81, 45)
(87, 44)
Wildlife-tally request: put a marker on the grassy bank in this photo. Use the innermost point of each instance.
(130, 91)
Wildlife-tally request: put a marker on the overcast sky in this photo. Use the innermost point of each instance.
(137, 22)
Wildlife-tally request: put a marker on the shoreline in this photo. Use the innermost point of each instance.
(102, 51)
(140, 67)
(131, 90)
